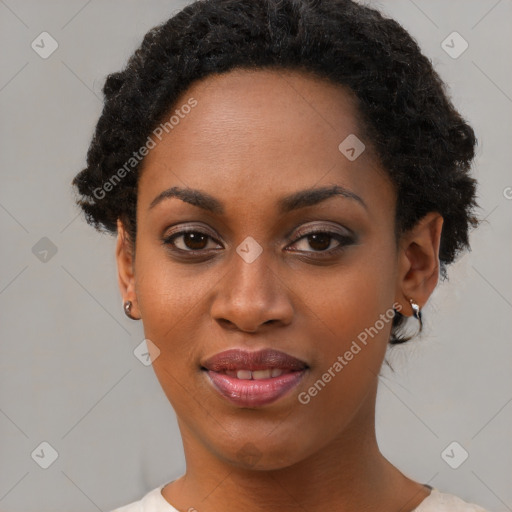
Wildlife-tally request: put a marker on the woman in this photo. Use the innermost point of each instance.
(287, 181)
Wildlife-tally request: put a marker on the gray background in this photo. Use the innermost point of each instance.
(68, 375)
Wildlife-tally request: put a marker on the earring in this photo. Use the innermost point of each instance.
(416, 312)
(127, 306)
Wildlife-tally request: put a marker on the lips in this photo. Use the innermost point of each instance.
(235, 360)
(254, 379)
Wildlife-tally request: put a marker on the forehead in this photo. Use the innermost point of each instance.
(261, 133)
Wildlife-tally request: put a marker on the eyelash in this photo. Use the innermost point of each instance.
(344, 240)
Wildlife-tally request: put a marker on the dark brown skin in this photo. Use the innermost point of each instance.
(254, 137)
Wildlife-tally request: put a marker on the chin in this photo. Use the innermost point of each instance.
(277, 455)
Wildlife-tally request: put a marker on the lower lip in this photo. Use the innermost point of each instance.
(254, 392)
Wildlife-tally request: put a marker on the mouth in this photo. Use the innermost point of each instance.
(253, 379)
(244, 374)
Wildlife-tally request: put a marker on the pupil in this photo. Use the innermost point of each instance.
(323, 238)
(193, 239)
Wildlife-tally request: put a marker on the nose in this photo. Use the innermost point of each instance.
(251, 295)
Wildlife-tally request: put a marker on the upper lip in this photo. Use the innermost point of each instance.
(239, 359)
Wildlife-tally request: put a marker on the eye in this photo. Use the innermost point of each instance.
(322, 241)
(318, 242)
(190, 240)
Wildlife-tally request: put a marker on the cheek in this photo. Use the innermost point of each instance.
(172, 307)
(345, 300)
(169, 296)
(167, 291)
(349, 313)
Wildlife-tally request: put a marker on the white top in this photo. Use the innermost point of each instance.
(436, 501)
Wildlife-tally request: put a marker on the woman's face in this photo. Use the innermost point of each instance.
(251, 277)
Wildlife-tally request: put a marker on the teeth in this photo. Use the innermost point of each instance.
(257, 374)
(261, 374)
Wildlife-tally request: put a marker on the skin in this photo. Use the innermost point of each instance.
(254, 137)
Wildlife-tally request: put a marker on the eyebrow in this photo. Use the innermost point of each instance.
(300, 199)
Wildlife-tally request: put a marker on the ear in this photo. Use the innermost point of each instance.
(125, 269)
(418, 262)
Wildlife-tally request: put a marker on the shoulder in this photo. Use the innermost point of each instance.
(153, 501)
(439, 501)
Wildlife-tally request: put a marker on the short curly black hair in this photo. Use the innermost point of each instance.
(421, 140)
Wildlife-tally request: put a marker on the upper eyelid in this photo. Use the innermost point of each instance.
(190, 229)
(322, 228)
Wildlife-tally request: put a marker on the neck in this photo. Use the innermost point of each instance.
(348, 473)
